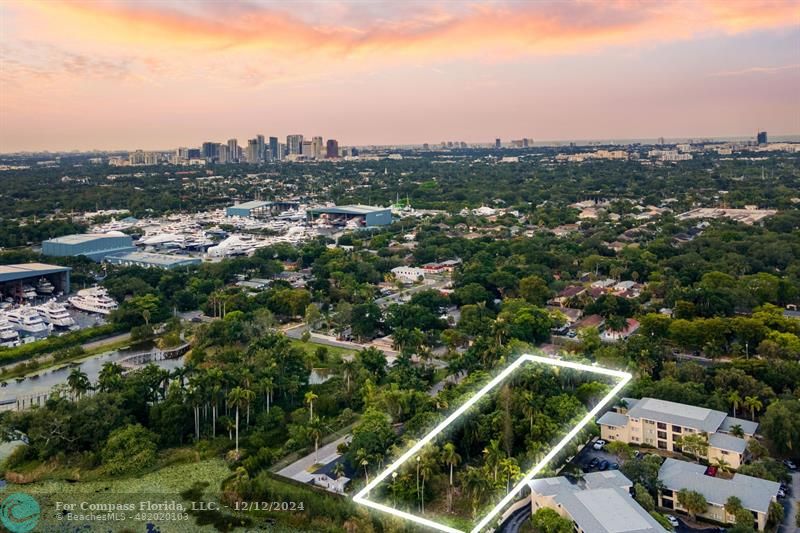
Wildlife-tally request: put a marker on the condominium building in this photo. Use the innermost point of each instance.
(754, 493)
(599, 503)
(662, 424)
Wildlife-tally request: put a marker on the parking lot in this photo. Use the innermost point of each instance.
(588, 453)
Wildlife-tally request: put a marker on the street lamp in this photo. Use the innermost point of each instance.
(418, 477)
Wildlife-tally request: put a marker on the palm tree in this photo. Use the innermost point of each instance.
(529, 407)
(110, 377)
(735, 400)
(348, 370)
(237, 398)
(266, 385)
(510, 468)
(338, 470)
(451, 458)
(315, 432)
(722, 464)
(362, 458)
(215, 378)
(78, 382)
(476, 485)
(493, 455)
(310, 397)
(426, 471)
(754, 404)
(737, 431)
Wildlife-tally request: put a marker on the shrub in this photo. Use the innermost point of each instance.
(129, 449)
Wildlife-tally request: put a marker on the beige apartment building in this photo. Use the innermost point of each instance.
(661, 424)
(755, 494)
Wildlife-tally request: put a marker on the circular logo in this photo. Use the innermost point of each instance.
(19, 512)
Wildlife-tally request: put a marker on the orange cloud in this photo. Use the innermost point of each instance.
(538, 28)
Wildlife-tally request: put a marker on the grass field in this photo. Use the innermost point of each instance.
(311, 347)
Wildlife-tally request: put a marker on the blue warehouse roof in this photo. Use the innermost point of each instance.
(29, 270)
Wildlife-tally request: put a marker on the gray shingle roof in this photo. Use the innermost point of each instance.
(747, 426)
(755, 494)
(612, 418)
(723, 441)
(679, 414)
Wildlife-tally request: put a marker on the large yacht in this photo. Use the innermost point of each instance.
(56, 314)
(28, 292)
(93, 300)
(45, 287)
(8, 335)
(27, 321)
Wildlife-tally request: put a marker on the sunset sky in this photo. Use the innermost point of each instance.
(160, 74)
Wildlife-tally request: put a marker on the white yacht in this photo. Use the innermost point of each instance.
(28, 292)
(8, 335)
(45, 287)
(55, 314)
(93, 300)
(26, 320)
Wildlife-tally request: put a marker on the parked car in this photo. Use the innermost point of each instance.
(603, 465)
(613, 466)
(781, 494)
(789, 464)
(593, 463)
(598, 444)
(673, 521)
(637, 454)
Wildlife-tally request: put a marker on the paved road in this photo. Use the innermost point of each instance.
(515, 520)
(299, 469)
(108, 340)
(790, 506)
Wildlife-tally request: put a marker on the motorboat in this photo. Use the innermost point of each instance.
(28, 292)
(26, 321)
(56, 314)
(8, 335)
(45, 287)
(93, 300)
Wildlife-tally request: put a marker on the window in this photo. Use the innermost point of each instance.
(676, 429)
(666, 493)
(649, 422)
(662, 434)
(662, 425)
(723, 452)
(635, 439)
(662, 445)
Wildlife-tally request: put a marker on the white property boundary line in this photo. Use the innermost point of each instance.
(361, 497)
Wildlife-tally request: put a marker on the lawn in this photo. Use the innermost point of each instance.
(311, 347)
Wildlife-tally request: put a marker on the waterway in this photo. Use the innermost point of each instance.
(49, 378)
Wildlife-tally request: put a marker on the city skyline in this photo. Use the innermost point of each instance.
(119, 75)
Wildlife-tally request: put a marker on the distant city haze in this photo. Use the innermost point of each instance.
(157, 75)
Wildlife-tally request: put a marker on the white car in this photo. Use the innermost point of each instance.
(790, 465)
(673, 521)
(598, 444)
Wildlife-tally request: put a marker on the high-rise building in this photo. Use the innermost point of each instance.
(332, 149)
(307, 149)
(194, 153)
(182, 153)
(233, 150)
(316, 147)
(224, 154)
(136, 158)
(497, 143)
(274, 149)
(294, 144)
(252, 151)
(762, 137)
(262, 148)
(210, 151)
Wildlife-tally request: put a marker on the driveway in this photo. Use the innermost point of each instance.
(515, 520)
(790, 506)
(326, 454)
(588, 453)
